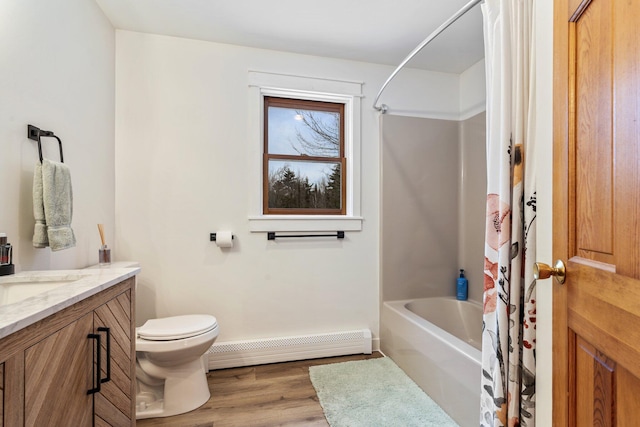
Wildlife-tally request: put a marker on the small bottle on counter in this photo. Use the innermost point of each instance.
(6, 256)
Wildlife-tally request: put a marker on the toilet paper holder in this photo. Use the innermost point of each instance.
(212, 237)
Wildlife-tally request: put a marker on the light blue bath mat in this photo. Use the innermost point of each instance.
(374, 393)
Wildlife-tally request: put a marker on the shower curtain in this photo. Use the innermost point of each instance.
(509, 321)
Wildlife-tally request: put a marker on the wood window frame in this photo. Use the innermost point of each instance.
(303, 104)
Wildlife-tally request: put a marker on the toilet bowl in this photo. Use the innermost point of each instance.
(171, 369)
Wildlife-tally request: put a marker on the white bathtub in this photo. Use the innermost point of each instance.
(437, 342)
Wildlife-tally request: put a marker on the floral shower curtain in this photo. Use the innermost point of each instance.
(509, 322)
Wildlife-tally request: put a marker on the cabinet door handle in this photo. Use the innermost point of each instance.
(97, 338)
(108, 331)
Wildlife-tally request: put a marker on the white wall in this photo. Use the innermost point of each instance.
(417, 93)
(58, 74)
(473, 90)
(544, 232)
(182, 163)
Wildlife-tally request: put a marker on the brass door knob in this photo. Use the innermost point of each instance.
(544, 271)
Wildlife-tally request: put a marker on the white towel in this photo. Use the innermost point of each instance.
(57, 205)
(40, 239)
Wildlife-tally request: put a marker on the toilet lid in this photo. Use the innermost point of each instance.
(176, 327)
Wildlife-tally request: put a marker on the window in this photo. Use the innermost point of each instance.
(304, 157)
(307, 95)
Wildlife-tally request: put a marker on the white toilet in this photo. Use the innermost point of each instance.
(171, 370)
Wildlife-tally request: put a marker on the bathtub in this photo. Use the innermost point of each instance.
(437, 342)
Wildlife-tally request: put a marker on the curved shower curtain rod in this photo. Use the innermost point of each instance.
(383, 108)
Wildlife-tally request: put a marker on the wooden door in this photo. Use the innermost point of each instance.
(57, 375)
(596, 220)
(115, 404)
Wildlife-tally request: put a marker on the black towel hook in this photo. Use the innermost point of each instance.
(35, 134)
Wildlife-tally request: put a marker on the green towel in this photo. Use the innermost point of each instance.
(40, 238)
(56, 201)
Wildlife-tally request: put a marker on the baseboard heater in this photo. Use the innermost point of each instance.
(234, 354)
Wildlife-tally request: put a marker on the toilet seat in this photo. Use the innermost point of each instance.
(176, 327)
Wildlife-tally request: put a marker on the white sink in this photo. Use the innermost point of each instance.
(18, 288)
(29, 296)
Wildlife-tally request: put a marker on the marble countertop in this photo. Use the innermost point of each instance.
(59, 289)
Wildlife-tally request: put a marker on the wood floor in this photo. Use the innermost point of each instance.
(279, 394)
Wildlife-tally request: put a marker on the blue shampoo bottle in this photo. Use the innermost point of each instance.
(462, 287)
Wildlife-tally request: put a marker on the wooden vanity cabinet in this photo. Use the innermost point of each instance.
(52, 364)
(1, 394)
(115, 403)
(57, 373)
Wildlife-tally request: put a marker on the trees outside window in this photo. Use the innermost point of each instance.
(304, 160)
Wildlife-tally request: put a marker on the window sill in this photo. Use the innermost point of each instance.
(264, 223)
